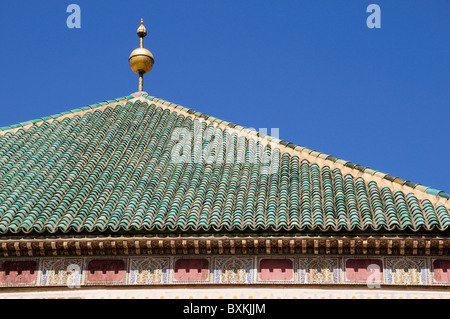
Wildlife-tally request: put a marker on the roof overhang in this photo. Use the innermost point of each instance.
(224, 244)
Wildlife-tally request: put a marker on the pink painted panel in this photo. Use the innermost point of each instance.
(191, 269)
(441, 270)
(18, 272)
(276, 269)
(105, 270)
(357, 269)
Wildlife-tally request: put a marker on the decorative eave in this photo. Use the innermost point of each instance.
(226, 245)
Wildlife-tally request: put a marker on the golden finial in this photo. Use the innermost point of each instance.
(141, 60)
(142, 31)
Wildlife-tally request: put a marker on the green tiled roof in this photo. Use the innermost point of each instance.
(109, 168)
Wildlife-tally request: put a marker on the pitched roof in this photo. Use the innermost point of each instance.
(110, 168)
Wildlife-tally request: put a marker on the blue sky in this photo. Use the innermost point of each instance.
(313, 69)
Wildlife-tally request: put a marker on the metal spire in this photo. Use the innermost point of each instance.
(141, 60)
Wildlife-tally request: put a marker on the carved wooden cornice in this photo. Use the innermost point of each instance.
(226, 245)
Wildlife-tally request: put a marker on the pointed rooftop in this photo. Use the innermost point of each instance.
(142, 165)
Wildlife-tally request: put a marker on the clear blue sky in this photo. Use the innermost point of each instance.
(377, 97)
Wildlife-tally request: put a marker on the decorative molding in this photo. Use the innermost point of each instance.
(319, 270)
(213, 245)
(222, 270)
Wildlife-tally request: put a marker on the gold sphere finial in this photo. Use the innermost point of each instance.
(141, 60)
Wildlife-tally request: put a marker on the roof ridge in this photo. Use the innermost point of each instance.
(19, 125)
(313, 153)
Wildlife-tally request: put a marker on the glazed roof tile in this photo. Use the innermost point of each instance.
(108, 167)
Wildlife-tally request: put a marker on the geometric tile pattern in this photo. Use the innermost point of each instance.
(233, 270)
(61, 272)
(217, 270)
(149, 271)
(407, 270)
(319, 270)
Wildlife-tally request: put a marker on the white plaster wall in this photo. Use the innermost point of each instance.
(231, 293)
